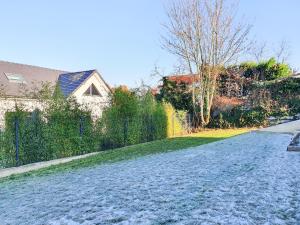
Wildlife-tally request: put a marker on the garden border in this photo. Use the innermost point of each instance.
(39, 165)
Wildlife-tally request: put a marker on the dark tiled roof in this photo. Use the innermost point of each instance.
(33, 77)
(69, 82)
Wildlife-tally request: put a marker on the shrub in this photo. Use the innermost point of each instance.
(254, 117)
(131, 119)
(284, 96)
(65, 129)
(153, 119)
(241, 117)
(174, 126)
(62, 130)
(271, 70)
(119, 124)
(160, 122)
(265, 70)
(249, 69)
(176, 93)
(293, 106)
(69, 129)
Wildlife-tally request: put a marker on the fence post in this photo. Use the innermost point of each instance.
(148, 128)
(81, 126)
(125, 130)
(189, 123)
(152, 129)
(17, 139)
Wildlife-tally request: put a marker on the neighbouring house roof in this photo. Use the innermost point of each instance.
(187, 79)
(155, 91)
(16, 78)
(69, 82)
(31, 77)
(122, 87)
(297, 75)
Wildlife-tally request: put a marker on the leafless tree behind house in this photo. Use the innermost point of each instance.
(258, 50)
(205, 35)
(283, 52)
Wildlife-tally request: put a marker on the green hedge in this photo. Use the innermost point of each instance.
(65, 129)
(241, 117)
(132, 119)
(45, 136)
(285, 93)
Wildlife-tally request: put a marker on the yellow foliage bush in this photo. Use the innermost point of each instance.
(175, 127)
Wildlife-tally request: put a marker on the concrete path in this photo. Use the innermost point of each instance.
(35, 166)
(290, 127)
(248, 179)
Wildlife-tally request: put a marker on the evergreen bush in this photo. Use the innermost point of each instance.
(132, 119)
(65, 128)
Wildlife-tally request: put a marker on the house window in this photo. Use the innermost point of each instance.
(15, 78)
(92, 91)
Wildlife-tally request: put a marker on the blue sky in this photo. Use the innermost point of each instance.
(119, 38)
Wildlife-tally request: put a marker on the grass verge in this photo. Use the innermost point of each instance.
(135, 151)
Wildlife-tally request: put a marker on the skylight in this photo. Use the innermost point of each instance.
(15, 78)
(76, 76)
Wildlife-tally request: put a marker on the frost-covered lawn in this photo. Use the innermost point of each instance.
(248, 179)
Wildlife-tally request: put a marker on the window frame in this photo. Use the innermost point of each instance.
(89, 91)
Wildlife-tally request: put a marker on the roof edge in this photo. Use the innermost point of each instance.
(92, 73)
(41, 67)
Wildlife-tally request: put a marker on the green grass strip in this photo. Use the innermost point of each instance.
(135, 151)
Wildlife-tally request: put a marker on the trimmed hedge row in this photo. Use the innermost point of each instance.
(286, 93)
(45, 136)
(65, 129)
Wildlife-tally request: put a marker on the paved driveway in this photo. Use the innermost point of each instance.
(290, 127)
(249, 179)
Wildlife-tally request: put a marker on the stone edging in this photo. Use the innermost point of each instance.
(294, 145)
(39, 165)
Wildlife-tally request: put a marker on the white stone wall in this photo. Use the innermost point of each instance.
(94, 104)
(9, 105)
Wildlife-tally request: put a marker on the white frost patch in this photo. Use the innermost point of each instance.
(249, 179)
(63, 222)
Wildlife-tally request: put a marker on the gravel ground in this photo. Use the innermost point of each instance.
(249, 179)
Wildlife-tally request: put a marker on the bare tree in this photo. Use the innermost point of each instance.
(259, 50)
(283, 52)
(157, 71)
(205, 36)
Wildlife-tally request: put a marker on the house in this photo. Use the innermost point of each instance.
(296, 75)
(17, 80)
(186, 79)
(222, 102)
